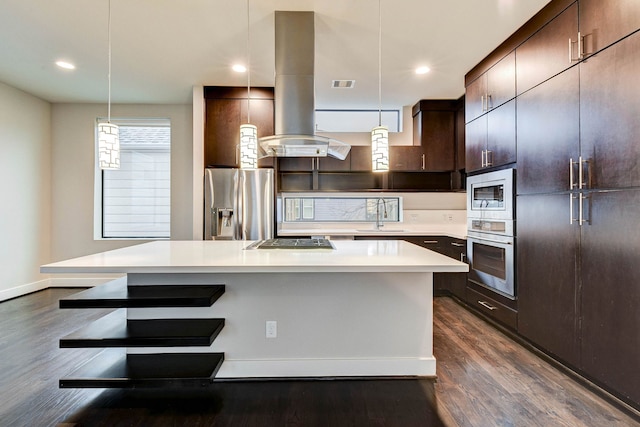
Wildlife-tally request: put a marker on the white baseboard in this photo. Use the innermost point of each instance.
(20, 290)
(57, 282)
(402, 366)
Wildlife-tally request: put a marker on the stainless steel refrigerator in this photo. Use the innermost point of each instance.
(238, 204)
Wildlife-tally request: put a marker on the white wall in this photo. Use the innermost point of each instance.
(25, 191)
(73, 158)
(364, 138)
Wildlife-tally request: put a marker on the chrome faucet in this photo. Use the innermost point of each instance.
(379, 223)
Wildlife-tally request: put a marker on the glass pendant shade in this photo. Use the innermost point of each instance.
(380, 149)
(248, 146)
(108, 146)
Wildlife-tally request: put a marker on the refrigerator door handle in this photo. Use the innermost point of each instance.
(238, 208)
(210, 213)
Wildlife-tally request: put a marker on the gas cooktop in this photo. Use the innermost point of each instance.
(292, 244)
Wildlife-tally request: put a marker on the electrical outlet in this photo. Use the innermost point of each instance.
(271, 329)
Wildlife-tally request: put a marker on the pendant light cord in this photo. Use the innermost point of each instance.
(248, 69)
(109, 65)
(379, 62)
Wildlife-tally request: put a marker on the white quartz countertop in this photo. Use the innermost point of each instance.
(232, 257)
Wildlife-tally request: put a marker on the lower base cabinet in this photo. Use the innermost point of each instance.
(446, 283)
(491, 306)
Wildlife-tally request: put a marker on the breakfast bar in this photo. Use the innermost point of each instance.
(354, 309)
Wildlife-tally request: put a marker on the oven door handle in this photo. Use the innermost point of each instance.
(481, 239)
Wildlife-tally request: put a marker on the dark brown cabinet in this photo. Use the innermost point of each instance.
(460, 135)
(547, 256)
(492, 88)
(445, 283)
(609, 115)
(578, 186)
(434, 130)
(548, 136)
(605, 22)
(360, 158)
(610, 291)
(491, 139)
(226, 110)
(545, 54)
(406, 158)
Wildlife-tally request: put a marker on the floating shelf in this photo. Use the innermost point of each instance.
(116, 294)
(115, 330)
(113, 368)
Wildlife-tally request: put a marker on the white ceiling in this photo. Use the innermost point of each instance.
(162, 48)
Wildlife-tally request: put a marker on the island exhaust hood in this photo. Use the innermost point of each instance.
(294, 92)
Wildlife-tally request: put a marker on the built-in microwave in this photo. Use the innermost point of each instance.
(490, 207)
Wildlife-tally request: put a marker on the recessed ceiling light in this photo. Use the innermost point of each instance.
(423, 70)
(239, 68)
(66, 65)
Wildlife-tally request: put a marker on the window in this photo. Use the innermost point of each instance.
(135, 200)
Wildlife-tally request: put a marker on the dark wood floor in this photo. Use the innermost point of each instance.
(484, 379)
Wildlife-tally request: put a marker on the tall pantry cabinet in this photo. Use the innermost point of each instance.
(578, 188)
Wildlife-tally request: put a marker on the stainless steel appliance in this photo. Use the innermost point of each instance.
(238, 204)
(490, 231)
(284, 243)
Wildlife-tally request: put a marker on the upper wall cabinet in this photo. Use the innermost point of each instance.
(491, 139)
(609, 111)
(548, 134)
(434, 129)
(226, 110)
(549, 51)
(605, 22)
(492, 89)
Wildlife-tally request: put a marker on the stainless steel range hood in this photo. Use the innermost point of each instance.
(295, 92)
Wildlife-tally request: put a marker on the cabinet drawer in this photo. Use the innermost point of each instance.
(492, 308)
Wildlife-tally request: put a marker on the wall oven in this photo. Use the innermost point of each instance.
(490, 231)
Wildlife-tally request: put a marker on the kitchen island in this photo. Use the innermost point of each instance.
(361, 309)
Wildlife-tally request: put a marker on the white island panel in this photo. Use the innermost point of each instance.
(328, 324)
(363, 309)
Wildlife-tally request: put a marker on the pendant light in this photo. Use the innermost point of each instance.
(380, 134)
(248, 132)
(108, 133)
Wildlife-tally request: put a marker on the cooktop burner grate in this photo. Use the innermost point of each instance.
(283, 243)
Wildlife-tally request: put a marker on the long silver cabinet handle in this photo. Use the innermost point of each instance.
(423, 161)
(482, 99)
(489, 162)
(580, 174)
(462, 257)
(580, 213)
(458, 244)
(487, 305)
(580, 52)
(582, 183)
(572, 184)
(483, 162)
(570, 50)
(571, 199)
(430, 242)
(581, 218)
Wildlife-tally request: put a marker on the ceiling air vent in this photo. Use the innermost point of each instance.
(343, 84)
